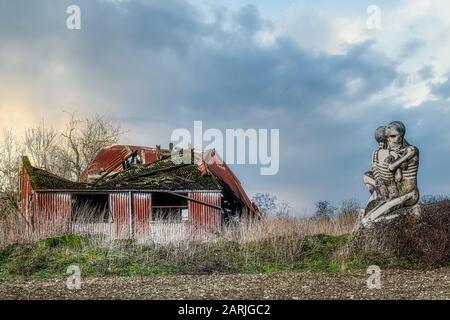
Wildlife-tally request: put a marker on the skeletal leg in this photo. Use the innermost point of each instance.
(377, 213)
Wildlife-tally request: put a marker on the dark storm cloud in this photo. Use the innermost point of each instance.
(248, 19)
(426, 72)
(129, 48)
(165, 61)
(442, 89)
(411, 47)
(284, 75)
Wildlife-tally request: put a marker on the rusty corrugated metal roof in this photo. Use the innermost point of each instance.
(225, 175)
(110, 158)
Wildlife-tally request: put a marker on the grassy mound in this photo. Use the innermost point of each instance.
(51, 257)
(413, 241)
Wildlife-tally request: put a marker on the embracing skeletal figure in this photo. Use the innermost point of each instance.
(392, 182)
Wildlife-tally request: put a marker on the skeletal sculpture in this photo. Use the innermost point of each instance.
(392, 182)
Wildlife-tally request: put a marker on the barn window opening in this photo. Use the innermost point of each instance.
(90, 208)
(168, 207)
(231, 208)
(134, 159)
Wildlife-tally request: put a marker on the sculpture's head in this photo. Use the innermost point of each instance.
(380, 136)
(395, 133)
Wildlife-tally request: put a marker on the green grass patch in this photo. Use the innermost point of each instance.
(50, 257)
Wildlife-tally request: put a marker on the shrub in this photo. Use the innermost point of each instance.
(422, 240)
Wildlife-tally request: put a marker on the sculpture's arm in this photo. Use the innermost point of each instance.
(410, 152)
(369, 180)
(374, 159)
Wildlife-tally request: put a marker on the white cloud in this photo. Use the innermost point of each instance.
(415, 33)
(315, 29)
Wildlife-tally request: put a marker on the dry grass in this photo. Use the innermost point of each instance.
(14, 228)
(264, 245)
(268, 244)
(423, 239)
(250, 230)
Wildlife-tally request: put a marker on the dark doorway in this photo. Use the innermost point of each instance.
(90, 208)
(169, 207)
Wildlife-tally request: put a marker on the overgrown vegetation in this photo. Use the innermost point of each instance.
(411, 240)
(265, 245)
(271, 244)
(50, 257)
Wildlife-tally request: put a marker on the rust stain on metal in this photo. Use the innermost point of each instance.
(222, 171)
(142, 206)
(110, 158)
(206, 218)
(120, 208)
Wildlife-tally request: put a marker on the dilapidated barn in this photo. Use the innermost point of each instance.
(136, 192)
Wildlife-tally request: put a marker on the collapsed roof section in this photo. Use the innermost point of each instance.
(43, 180)
(109, 160)
(160, 175)
(154, 170)
(218, 167)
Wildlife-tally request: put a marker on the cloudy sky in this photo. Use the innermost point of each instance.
(313, 70)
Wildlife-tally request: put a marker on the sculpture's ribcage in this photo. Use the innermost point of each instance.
(382, 172)
(411, 171)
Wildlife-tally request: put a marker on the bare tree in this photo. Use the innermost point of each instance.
(66, 154)
(265, 202)
(10, 151)
(82, 139)
(284, 209)
(324, 210)
(41, 145)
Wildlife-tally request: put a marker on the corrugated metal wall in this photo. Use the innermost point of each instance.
(25, 193)
(52, 212)
(120, 208)
(142, 209)
(205, 219)
(131, 215)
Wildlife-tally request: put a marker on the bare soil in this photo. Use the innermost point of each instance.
(396, 284)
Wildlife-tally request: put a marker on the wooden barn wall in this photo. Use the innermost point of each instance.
(120, 208)
(204, 218)
(52, 212)
(142, 212)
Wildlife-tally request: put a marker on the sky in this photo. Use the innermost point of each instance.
(313, 70)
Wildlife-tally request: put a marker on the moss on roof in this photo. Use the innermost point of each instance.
(43, 180)
(160, 175)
